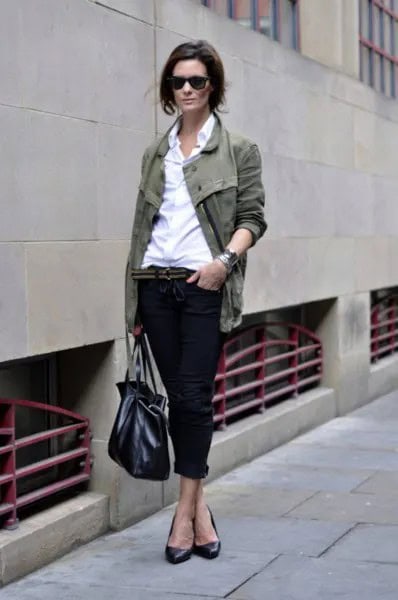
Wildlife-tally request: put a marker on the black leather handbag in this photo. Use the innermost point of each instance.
(139, 441)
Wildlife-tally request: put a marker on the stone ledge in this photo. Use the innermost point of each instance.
(383, 377)
(52, 533)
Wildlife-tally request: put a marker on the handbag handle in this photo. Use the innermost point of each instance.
(142, 358)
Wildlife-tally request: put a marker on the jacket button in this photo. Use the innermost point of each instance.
(194, 168)
(199, 188)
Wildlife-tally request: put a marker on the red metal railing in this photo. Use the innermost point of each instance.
(276, 361)
(384, 327)
(78, 450)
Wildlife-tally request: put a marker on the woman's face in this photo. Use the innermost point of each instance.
(187, 98)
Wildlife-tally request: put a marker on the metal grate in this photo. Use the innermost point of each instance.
(71, 465)
(384, 327)
(265, 364)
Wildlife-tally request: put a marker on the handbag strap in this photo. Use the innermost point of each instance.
(142, 360)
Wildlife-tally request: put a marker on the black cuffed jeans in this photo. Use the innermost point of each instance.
(182, 324)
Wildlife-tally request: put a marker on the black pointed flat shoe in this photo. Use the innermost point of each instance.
(212, 549)
(177, 555)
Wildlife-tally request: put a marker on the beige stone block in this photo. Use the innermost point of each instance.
(127, 71)
(330, 267)
(385, 213)
(300, 201)
(343, 326)
(330, 139)
(352, 198)
(278, 272)
(92, 390)
(10, 36)
(142, 10)
(393, 259)
(130, 500)
(13, 308)
(186, 18)
(98, 81)
(136, 500)
(349, 36)
(46, 185)
(376, 144)
(321, 33)
(352, 386)
(166, 41)
(371, 263)
(75, 293)
(353, 312)
(119, 168)
(352, 91)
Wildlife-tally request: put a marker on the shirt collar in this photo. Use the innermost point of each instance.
(203, 135)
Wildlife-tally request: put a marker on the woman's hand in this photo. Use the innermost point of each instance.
(211, 276)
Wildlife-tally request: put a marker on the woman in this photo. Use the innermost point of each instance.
(199, 209)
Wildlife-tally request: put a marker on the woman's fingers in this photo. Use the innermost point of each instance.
(194, 277)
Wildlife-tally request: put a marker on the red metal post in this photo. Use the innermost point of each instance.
(392, 325)
(8, 468)
(260, 371)
(222, 370)
(293, 361)
(375, 332)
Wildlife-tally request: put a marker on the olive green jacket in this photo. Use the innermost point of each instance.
(225, 186)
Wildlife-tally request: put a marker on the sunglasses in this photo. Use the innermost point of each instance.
(197, 82)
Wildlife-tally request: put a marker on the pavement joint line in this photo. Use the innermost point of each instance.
(286, 514)
(253, 575)
(337, 540)
(354, 489)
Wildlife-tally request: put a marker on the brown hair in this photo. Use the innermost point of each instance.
(203, 51)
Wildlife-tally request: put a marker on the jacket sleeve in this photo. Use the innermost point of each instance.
(250, 194)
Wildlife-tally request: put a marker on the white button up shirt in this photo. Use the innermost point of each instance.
(177, 238)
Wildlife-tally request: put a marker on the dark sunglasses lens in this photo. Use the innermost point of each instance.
(177, 82)
(198, 83)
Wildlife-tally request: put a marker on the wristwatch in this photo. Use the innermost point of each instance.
(229, 258)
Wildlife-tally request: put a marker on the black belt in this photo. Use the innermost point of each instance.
(162, 273)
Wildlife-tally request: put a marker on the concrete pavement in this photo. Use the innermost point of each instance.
(315, 519)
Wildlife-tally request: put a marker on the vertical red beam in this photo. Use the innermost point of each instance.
(293, 361)
(222, 370)
(375, 332)
(260, 371)
(8, 466)
(85, 443)
(392, 325)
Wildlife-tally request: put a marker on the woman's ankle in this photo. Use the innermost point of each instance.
(185, 510)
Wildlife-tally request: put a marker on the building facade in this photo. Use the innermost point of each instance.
(77, 108)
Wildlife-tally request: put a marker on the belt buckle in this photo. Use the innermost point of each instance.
(168, 274)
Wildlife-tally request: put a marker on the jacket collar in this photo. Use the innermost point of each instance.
(213, 142)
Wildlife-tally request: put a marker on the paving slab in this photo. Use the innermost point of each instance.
(354, 423)
(379, 483)
(303, 578)
(358, 508)
(318, 456)
(133, 567)
(316, 518)
(382, 409)
(88, 591)
(374, 543)
(296, 477)
(289, 536)
(368, 440)
(247, 501)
